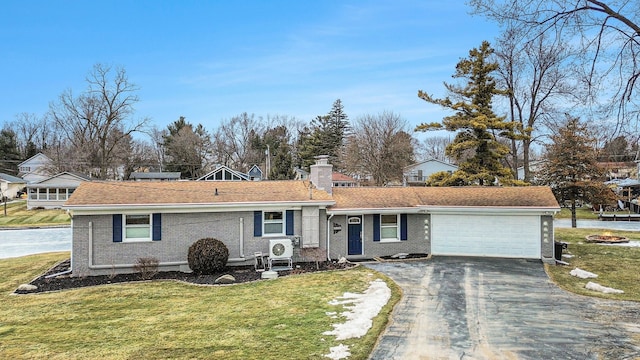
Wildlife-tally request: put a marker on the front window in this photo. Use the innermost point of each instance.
(137, 227)
(273, 223)
(389, 227)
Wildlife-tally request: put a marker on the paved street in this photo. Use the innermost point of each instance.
(477, 308)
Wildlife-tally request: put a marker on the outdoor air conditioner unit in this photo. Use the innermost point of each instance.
(280, 249)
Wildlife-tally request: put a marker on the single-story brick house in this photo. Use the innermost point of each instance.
(116, 223)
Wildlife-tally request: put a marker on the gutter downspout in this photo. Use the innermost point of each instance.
(329, 235)
(242, 238)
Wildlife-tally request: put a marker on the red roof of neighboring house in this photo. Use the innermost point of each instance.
(336, 176)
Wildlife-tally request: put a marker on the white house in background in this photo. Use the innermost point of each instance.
(534, 166)
(300, 174)
(10, 186)
(224, 173)
(52, 192)
(35, 168)
(420, 172)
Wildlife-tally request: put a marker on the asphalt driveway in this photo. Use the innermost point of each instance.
(478, 308)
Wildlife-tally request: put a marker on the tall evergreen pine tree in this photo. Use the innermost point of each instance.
(476, 147)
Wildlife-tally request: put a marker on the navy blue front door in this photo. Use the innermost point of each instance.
(354, 242)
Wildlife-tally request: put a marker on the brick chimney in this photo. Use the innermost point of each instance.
(321, 174)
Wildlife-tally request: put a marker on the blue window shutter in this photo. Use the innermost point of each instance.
(376, 227)
(289, 220)
(157, 227)
(257, 223)
(117, 227)
(403, 226)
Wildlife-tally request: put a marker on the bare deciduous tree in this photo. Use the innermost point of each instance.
(434, 147)
(379, 148)
(532, 72)
(607, 34)
(232, 142)
(97, 121)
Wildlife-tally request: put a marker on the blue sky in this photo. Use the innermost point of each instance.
(212, 60)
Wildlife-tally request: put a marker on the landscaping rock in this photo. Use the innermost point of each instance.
(27, 287)
(225, 279)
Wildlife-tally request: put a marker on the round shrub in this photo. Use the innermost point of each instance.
(208, 256)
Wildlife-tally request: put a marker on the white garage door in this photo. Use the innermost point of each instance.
(486, 235)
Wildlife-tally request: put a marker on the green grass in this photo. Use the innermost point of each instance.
(19, 216)
(581, 213)
(275, 319)
(616, 266)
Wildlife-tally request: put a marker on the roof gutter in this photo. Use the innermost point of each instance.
(191, 207)
(510, 210)
(361, 211)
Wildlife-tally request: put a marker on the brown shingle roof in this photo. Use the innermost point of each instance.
(193, 192)
(229, 192)
(402, 197)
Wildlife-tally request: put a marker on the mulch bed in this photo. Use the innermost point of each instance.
(241, 274)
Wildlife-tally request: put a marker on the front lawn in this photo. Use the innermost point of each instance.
(19, 216)
(270, 319)
(581, 213)
(616, 266)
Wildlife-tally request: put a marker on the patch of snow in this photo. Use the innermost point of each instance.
(339, 352)
(603, 289)
(582, 274)
(362, 308)
(628, 244)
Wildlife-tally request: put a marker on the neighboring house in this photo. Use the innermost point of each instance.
(419, 173)
(255, 173)
(224, 173)
(52, 192)
(302, 175)
(35, 168)
(10, 186)
(619, 170)
(342, 180)
(155, 176)
(534, 167)
(115, 224)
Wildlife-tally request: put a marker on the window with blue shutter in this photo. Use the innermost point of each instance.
(289, 224)
(157, 227)
(403, 226)
(117, 227)
(257, 223)
(376, 227)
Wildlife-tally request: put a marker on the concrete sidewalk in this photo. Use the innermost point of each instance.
(481, 308)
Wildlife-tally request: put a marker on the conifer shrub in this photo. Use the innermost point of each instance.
(208, 256)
